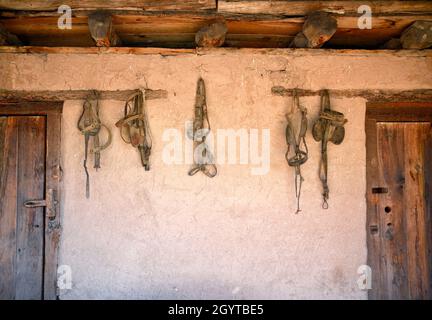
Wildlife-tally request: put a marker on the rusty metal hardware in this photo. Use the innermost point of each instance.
(389, 232)
(379, 190)
(49, 202)
(373, 229)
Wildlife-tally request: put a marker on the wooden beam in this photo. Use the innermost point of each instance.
(148, 5)
(102, 30)
(417, 36)
(60, 95)
(177, 30)
(212, 35)
(369, 94)
(222, 51)
(96, 50)
(7, 38)
(302, 8)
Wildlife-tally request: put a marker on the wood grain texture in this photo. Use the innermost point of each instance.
(53, 181)
(76, 95)
(399, 250)
(52, 227)
(8, 204)
(204, 51)
(372, 221)
(402, 111)
(149, 5)
(43, 30)
(30, 221)
(7, 38)
(412, 109)
(296, 8)
(391, 174)
(417, 246)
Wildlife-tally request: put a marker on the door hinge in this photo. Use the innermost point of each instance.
(49, 202)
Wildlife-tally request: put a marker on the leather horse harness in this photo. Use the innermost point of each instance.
(135, 128)
(90, 125)
(297, 141)
(329, 127)
(203, 159)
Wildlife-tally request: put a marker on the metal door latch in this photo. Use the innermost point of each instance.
(50, 204)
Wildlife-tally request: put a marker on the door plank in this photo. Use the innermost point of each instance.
(391, 149)
(52, 226)
(404, 223)
(8, 187)
(428, 197)
(30, 221)
(372, 223)
(52, 111)
(415, 210)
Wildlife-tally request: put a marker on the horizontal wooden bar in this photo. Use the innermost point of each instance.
(60, 95)
(298, 8)
(399, 111)
(149, 5)
(206, 51)
(169, 29)
(95, 50)
(373, 95)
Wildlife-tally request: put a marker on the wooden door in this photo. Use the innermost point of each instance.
(22, 141)
(399, 211)
(27, 248)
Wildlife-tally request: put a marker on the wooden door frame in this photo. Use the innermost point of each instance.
(385, 112)
(52, 110)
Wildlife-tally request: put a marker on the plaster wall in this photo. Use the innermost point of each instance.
(162, 234)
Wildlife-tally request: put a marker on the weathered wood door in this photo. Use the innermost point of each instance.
(22, 141)
(399, 208)
(26, 260)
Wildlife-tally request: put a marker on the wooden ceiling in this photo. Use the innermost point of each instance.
(173, 23)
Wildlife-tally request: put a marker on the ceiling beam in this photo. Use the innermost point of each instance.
(7, 38)
(148, 5)
(302, 8)
(180, 29)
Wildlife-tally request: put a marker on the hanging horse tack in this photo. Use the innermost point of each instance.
(90, 125)
(135, 128)
(329, 127)
(297, 140)
(200, 131)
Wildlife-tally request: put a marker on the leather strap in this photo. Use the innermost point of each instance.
(201, 129)
(135, 128)
(329, 127)
(297, 140)
(89, 124)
